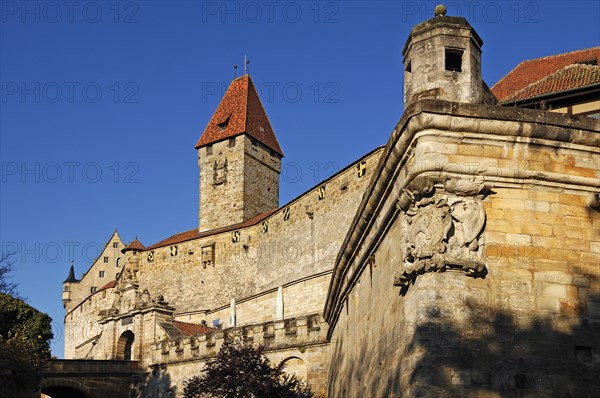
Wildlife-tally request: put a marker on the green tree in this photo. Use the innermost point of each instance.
(25, 334)
(241, 370)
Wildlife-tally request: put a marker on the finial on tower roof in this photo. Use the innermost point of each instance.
(246, 65)
(440, 10)
(234, 71)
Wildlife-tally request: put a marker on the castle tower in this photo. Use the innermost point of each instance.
(442, 60)
(239, 160)
(68, 286)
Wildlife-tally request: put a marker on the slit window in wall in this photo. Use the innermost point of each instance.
(454, 59)
(408, 67)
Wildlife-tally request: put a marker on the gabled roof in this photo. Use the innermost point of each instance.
(531, 71)
(569, 77)
(135, 245)
(240, 111)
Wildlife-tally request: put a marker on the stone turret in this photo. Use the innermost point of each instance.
(68, 286)
(442, 60)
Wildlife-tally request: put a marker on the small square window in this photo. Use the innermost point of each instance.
(209, 149)
(105, 259)
(101, 274)
(454, 59)
(93, 289)
(115, 244)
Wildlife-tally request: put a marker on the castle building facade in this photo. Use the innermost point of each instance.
(460, 259)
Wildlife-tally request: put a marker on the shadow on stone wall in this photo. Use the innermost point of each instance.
(508, 355)
(154, 384)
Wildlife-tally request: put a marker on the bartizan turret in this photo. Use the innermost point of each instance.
(442, 60)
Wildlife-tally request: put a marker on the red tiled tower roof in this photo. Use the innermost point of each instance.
(135, 245)
(240, 111)
(531, 71)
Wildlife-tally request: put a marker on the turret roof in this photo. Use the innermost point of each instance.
(240, 111)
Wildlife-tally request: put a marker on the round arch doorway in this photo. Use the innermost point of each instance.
(125, 346)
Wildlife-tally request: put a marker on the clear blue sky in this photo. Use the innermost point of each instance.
(102, 103)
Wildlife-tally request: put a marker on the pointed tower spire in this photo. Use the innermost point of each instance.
(240, 112)
(71, 278)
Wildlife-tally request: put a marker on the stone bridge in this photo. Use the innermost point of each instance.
(77, 378)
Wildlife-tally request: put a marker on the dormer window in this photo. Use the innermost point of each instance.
(454, 59)
(223, 124)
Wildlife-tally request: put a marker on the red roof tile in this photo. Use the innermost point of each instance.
(194, 234)
(136, 245)
(242, 112)
(569, 77)
(191, 329)
(531, 71)
(109, 285)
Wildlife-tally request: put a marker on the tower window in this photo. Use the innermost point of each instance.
(454, 59)
(66, 288)
(209, 149)
(409, 67)
(231, 142)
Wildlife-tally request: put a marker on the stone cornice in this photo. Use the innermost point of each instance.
(378, 206)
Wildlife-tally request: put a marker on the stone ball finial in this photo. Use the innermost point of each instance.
(440, 9)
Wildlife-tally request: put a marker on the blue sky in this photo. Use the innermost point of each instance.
(102, 103)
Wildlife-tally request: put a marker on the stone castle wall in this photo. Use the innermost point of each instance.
(527, 319)
(299, 342)
(290, 248)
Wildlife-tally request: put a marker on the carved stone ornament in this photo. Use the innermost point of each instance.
(441, 228)
(220, 172)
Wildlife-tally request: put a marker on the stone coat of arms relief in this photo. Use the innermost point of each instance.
(442, 228)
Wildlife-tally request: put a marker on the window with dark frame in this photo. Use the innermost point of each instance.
(209, 149)
(115, 244)
(93, 289)
(231, 142)
(105, 259)
(101, 274)
(454, 59)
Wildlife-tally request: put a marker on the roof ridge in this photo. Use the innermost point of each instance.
(562, 54)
